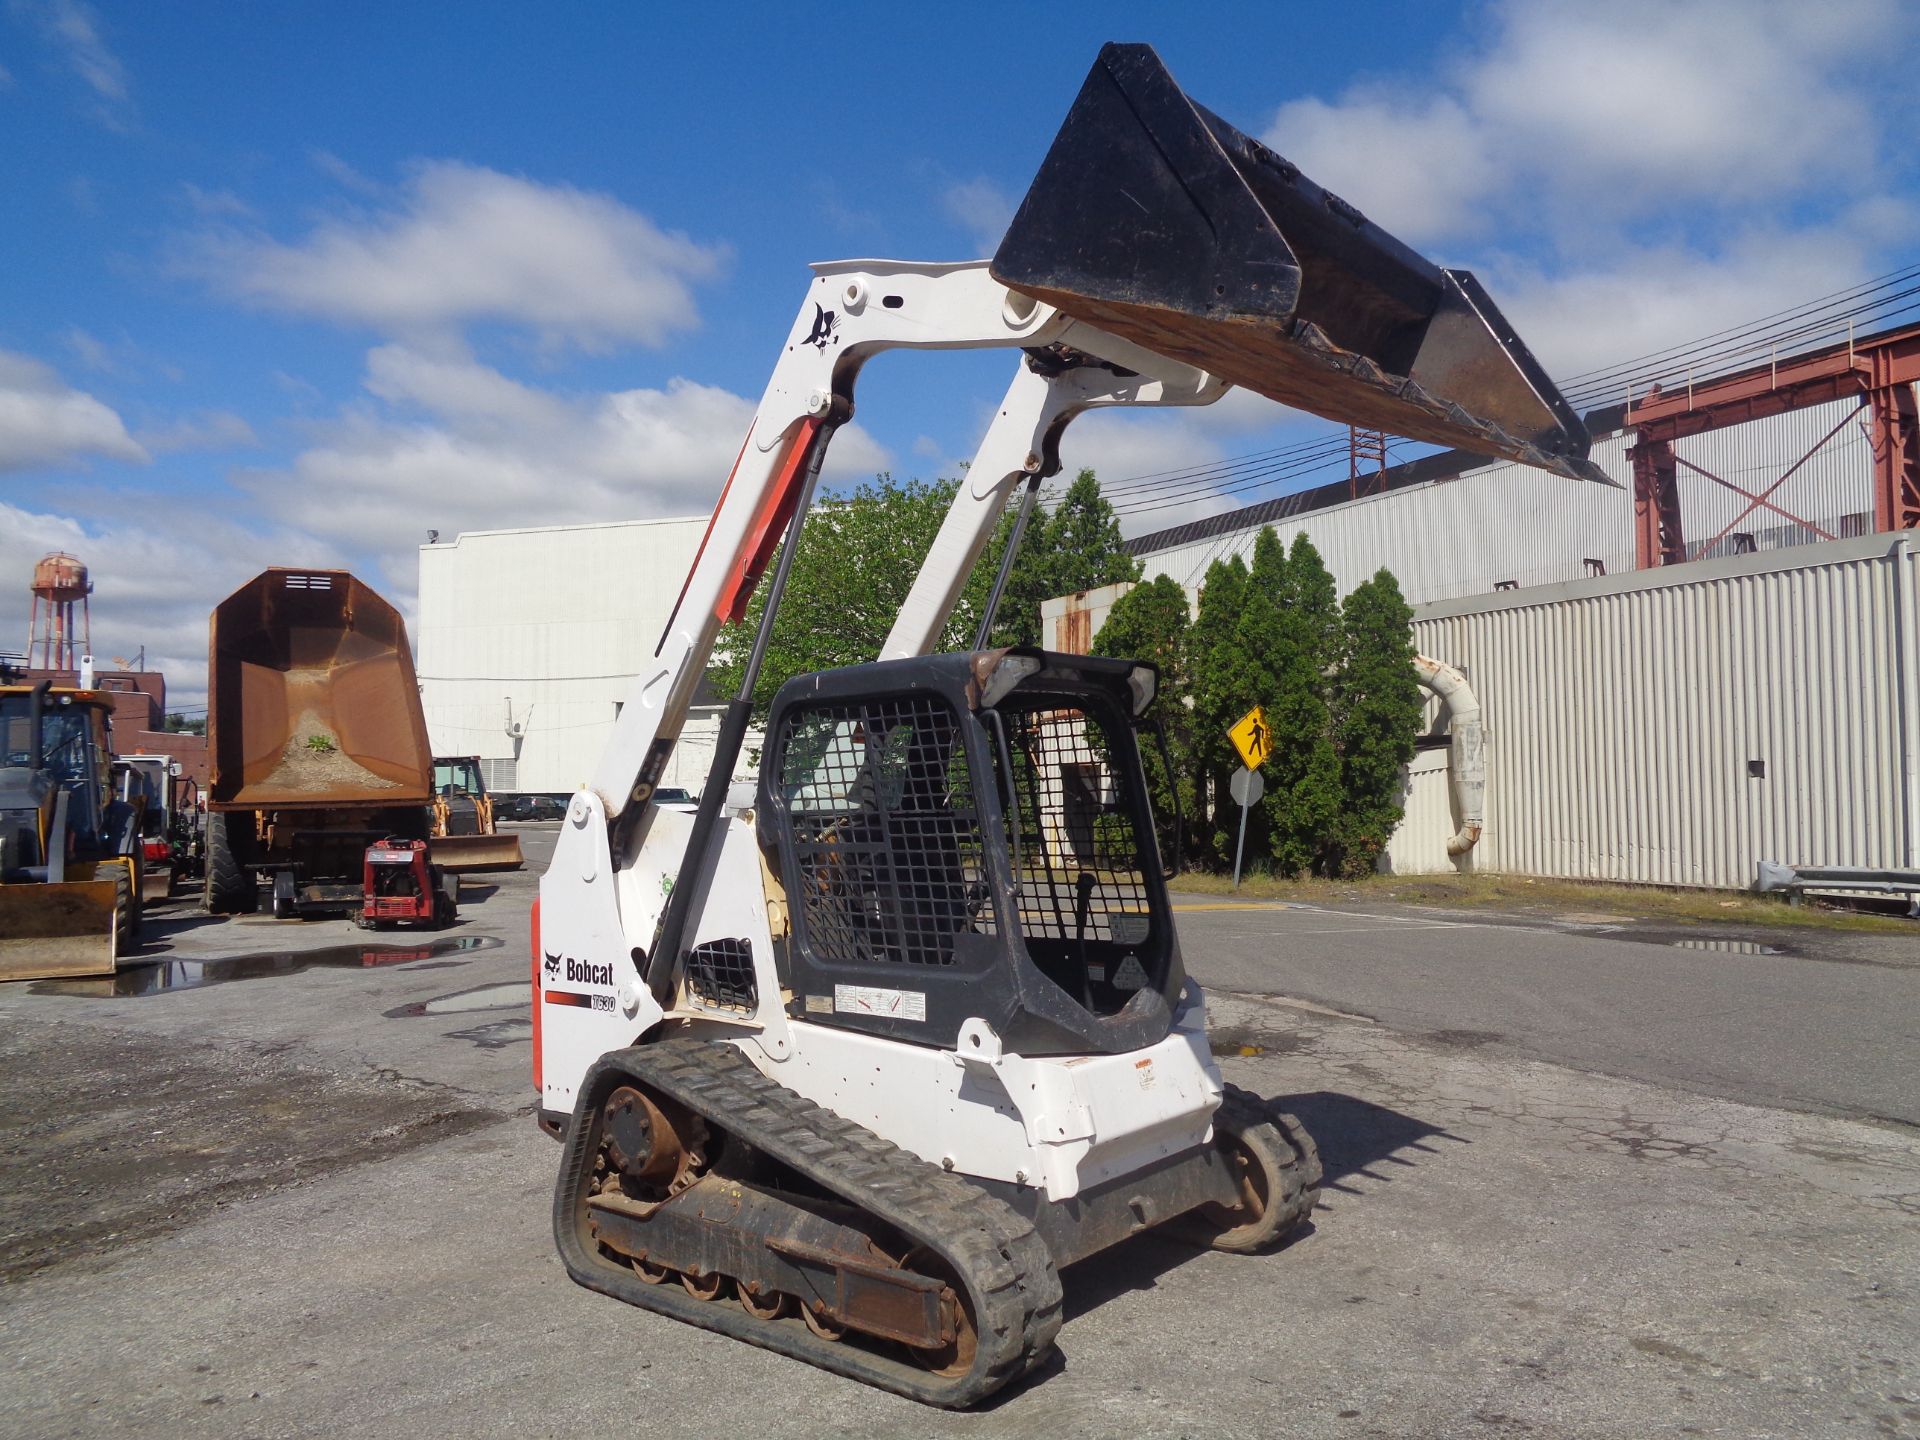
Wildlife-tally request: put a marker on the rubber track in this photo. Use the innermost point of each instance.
(1015, 1289)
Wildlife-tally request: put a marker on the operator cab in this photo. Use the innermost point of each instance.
(970, 835)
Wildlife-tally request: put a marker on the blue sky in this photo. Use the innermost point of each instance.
(292, 284)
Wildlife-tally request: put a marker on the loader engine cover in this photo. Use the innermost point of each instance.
(953, 845)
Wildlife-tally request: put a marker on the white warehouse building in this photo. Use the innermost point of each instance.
(528, 641)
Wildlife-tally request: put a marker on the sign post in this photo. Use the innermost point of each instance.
(1254, 741)
(1247, 788)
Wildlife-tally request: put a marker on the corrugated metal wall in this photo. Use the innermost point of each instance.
(1508, 522)
(1623, 716)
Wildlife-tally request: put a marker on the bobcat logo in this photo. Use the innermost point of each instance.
(824, 324)
(552, 967)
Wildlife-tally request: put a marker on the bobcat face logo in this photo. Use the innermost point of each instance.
(551, 966)
(824, 324)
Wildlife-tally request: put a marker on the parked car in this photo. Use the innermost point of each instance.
(529, 807)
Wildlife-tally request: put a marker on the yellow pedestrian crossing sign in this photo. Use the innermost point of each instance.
(1251, 737)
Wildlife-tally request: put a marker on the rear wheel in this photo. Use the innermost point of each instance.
(126, 913)
(230, 889)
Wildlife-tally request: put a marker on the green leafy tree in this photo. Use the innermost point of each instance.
(1150, 622)
(177, 724)
(1217, 677)
(858, 556)
(1076, 546)
(1377, 713)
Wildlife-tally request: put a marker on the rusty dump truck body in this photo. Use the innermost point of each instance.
(316, 738)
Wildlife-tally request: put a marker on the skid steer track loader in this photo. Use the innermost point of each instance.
(852, 1072)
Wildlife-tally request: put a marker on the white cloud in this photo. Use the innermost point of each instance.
(466, 245)
(158, 569)
(45, 421)
(1637, 176)
(73, 30)
(982, 209)
(448, 443)
(1643, 301)
(1581, 116)
(1418, 167)
(215, 202)
(343, 174)
(206, 430)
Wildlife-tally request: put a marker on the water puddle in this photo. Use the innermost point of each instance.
(193, 974)
(1244, 1042)
(1731, 947)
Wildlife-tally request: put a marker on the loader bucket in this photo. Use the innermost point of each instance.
(1153, 219)
(57, 930)
(475, 854)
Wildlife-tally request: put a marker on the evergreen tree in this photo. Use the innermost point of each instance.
(1220, 696)
(1287, 638)
(1311, 590)
(1075, 547)
(1150, 622)
(1378, 708)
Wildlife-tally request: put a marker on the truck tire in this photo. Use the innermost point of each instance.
(230, 887)
(126, 914)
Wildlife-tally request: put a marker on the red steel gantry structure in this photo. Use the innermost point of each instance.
(1878, 370)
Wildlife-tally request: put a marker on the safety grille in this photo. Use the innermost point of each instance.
(720, 972)
(885, 830)
(1081, 864)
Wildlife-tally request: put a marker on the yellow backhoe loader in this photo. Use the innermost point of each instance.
(69, 847)
(465, 838)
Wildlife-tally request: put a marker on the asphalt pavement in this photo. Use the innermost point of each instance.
(1828, 1021)
(292, 1187)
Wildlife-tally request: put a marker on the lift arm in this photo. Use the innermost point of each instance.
(852, 312)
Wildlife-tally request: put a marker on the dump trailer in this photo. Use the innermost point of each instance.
(853, 1072)
(466, 839)
(70, 864)
(316, 739)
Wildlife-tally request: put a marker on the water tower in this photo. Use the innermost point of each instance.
(54, 641)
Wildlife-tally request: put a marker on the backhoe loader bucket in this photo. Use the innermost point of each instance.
(55, 930)
(1155, 220)
(475, 854)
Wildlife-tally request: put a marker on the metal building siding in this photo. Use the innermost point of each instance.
(1507, 522)
(1621, 713)
(1832, 481)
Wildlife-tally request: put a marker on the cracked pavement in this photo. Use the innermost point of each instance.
(313, 1203)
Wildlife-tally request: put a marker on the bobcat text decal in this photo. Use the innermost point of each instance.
(577, 972)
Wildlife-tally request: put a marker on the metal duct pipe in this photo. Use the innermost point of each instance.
(1466, 749)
